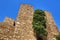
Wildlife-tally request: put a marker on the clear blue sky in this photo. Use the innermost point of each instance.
(10, 8)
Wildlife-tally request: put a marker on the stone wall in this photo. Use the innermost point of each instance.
(6, 31)
(51, 27)
(8, 20)
(23, 27)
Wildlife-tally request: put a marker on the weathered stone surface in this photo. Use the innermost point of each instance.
(51, 27)
(23, 28)
(6, 31)
(8, 20)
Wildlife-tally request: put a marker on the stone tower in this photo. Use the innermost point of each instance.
(51, 27)
(23, 24)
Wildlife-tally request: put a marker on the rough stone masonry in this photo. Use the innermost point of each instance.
(51, 27)
(21, 28)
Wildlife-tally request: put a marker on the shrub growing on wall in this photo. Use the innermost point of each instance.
(39, 24)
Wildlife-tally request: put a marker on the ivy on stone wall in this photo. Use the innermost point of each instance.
(39, 23)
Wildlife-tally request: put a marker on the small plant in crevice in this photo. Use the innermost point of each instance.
(39, 24)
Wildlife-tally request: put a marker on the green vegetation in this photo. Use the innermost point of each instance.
(39, 24)
(58, 37)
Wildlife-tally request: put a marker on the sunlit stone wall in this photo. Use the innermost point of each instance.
(51, 27)
(23, 27)
(10, 21)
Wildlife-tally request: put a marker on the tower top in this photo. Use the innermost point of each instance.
(25, 10)
(26, 5)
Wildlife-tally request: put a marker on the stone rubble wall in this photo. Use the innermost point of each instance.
(6, 31)
(23, 28)
(51, 27)
(8, 20)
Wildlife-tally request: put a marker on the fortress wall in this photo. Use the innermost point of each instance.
(23, 28)
(9, 21)
(51, 27)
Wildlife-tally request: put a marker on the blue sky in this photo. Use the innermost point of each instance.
(10, 8)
